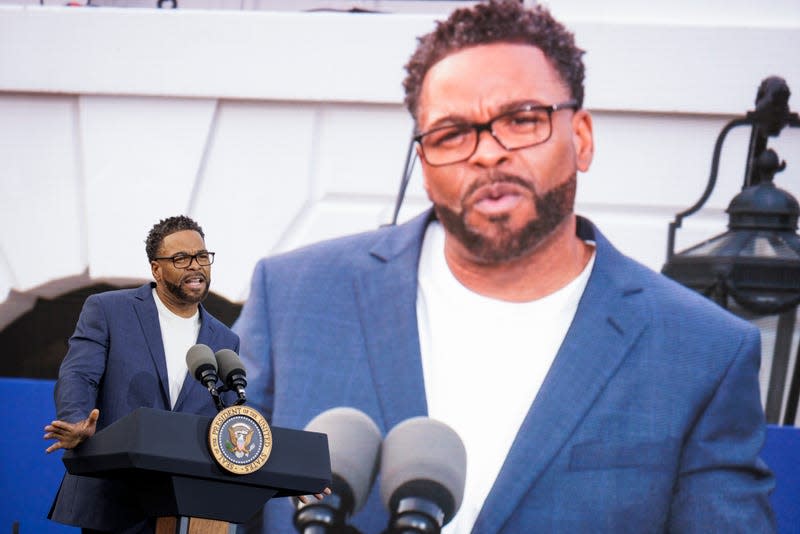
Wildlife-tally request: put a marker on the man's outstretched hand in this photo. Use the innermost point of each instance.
(70, 435)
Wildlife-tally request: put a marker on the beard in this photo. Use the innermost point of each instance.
(552, 209)
(179, 293)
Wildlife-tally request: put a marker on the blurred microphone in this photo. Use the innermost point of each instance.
(231, 370)
(423, 470)
(354, 442)
(203, 366)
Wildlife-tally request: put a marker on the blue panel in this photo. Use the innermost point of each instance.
(782, 454)
(29, 477)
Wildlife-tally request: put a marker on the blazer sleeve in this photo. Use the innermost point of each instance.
(252, 326)
(82, 369)
(722, 485)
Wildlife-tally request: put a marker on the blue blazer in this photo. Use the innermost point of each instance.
(649, 419)
(116, 363)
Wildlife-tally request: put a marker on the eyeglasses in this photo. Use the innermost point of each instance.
(525, 127)
(183, 261)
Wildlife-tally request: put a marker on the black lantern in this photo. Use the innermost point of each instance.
(756, 263)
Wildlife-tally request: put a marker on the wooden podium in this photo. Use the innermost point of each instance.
(164, 456)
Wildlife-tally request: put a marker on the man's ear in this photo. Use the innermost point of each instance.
(583, 139)
(155, 269)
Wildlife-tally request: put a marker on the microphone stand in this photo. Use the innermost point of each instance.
(416, 515)
(325, 517)
(240, 393)
(217, 399)
(209, 379)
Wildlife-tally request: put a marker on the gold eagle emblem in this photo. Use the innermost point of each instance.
(240, 435)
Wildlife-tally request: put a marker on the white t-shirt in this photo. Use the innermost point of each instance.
(178, 334)
(484, 361)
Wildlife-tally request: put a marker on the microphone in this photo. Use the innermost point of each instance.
(231, 370)
(203, 366)
(354, 442)
(423, 471)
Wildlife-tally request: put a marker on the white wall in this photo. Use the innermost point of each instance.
(277, 128)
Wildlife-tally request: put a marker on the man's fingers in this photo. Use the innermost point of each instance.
(61, 425)
(319, 496)
(53, 434)
(57, 433)
(69, 435)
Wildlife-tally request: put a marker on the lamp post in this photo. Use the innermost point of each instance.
(756, 263)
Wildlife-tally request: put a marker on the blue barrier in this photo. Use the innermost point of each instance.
(29, 477)
(782, 454)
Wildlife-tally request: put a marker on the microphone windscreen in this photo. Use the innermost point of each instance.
(425, 458)
(354, 442)
(229, 362)
(198, 357)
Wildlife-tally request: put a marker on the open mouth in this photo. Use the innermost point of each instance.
(498, 197)
(195, 281)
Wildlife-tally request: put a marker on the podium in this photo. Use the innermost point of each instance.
(164, 456)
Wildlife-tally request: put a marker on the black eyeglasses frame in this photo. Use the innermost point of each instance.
(479, 127)
(192, 257)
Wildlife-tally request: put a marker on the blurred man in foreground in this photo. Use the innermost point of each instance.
(621, 401)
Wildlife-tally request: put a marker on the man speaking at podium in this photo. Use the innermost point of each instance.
(128, 351)
(591, 394)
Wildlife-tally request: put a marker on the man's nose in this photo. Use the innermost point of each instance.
(489, 150)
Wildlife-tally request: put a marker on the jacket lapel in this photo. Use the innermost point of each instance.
(605, 326)
(387, 295)
(147, 314)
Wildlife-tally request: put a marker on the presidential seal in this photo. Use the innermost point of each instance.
(240, 439)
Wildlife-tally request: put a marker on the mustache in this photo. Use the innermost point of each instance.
(497, 178)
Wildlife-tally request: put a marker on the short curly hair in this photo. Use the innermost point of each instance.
(497, 21)
(165, 227)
